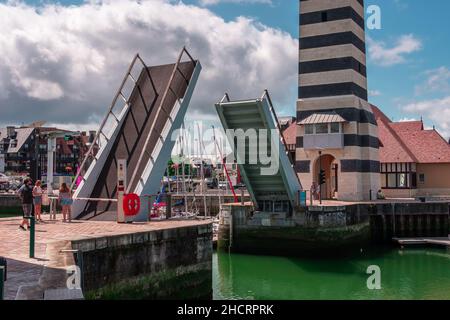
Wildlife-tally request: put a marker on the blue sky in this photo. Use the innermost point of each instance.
(395, 85)
(408, 65)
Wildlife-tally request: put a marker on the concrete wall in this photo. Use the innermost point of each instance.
(318, 230)
(410, 220)
(162, 264)
(10, 204)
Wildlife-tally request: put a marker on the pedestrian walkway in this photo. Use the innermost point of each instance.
(24, 271)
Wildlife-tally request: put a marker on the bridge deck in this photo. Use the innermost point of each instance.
(264, 184)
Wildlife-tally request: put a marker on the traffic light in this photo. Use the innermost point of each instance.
(322, 177)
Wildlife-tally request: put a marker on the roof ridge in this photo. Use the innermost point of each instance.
(440, 136)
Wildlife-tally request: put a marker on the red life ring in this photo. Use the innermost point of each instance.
(131, 204)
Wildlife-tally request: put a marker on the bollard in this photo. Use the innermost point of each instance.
(32, 236)
(2, 284)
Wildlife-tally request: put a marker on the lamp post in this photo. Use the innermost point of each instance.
(36, 155)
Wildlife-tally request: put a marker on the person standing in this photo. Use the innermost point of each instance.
(37, 200)
(313, 190)
(26, 195)
(65, 200)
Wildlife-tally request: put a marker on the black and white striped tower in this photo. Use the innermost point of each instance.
(332, 96)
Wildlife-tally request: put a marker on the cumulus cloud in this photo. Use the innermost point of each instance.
(437, 110)
(381, 54)
(64, 63)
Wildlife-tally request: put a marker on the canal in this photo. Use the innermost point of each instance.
(405, 274)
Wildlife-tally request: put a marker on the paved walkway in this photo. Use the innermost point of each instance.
(14, 243)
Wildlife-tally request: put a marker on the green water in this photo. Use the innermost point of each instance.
(405, 274)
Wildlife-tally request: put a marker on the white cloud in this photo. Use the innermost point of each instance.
(407, 119)
(63, 64)
(437, 110)
(383, 55)
(374, 93)
(438, 80)
(214, 2)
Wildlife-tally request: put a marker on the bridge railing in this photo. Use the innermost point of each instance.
(116, 112)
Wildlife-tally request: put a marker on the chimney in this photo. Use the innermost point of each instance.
(11, 132)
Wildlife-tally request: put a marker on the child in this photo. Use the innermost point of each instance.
(65, 200)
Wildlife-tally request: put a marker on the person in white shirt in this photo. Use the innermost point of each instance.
(37, 200)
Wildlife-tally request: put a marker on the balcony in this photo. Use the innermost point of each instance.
(323, 141)
(323, 131)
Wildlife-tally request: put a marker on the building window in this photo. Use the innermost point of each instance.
(398, 176)
(322, 128)
(324, 16)
(402, 180)
(422, 178)
(392, 180)
(335, 127)
(309, 129)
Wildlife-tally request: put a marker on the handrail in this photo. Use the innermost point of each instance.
(147, 140)
(277, 123)
(226, 96)
(113, 103)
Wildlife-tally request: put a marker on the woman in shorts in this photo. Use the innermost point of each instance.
(37, 200)
(65, 200)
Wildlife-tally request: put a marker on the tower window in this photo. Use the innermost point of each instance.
(324, 16)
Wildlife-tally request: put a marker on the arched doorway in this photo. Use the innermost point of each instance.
(329, 164)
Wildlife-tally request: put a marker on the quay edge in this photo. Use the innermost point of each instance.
(327, 229)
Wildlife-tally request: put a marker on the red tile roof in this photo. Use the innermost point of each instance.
(290, 134)
(407, 126)
(409, 142)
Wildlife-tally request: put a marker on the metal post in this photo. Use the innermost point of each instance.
(121, 187)
(168, 206)
(320, 170)
(2, 285)
(36, 155)
(32, 236)
(51, 148)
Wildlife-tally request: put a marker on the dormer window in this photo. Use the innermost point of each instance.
(13, 143)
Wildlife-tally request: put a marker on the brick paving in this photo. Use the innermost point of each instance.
(14, 243)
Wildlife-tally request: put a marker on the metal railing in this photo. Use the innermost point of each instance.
(163, 100)
(96, 143)
(277, 124)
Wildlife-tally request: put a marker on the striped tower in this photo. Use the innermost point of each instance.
(333, 89)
